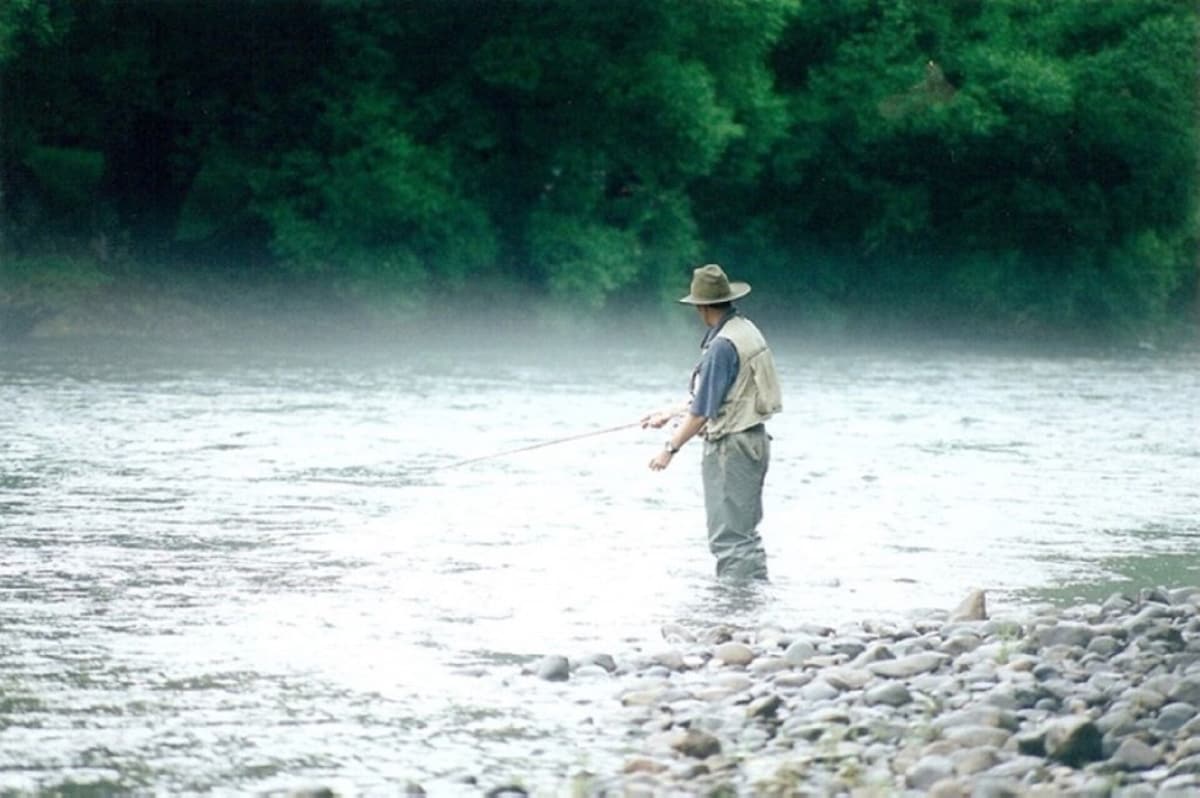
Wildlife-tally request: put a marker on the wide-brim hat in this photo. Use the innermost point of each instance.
(710, 286)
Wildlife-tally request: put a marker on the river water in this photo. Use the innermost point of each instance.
(242, 568)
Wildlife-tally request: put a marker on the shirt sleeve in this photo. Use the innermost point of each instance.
(718, 370)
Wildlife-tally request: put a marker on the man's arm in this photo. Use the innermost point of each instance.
(692, 424)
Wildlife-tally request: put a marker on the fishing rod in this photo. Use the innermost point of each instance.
(541, 445)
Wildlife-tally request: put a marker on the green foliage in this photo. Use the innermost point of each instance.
(1026, 164)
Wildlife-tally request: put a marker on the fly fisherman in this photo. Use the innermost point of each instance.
(734, 389)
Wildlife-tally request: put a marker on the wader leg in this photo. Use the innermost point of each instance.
(733, 470)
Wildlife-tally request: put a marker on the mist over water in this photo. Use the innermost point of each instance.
(242, 566)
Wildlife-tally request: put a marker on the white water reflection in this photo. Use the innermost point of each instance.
(241, 570)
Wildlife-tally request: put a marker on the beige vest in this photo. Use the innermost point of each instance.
(755, 395)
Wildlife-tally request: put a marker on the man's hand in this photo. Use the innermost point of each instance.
(657, 419)
(661, 460)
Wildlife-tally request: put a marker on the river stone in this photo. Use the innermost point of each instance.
(1116, 603)
(1075, 635)
(850, 647)
(818, 690)
(947, 788)
(643, 764)
(978, 715)
(972, 608)
(1030, 768)
(1118, 721)
(732, 653)
(792, 680)
(970, 761)
(734, 681)
(928, 771)
(976, 736)
(1187, 690)
(764, 666)
(1187, 766)
(847, 678)
(643, 698)
(909, 666)
(1173, 716)
(1133, 754)
(697, 744)
(603, 660)
(892, 694)
(590, 672)
(988, 786)
(960, 644)
(1012, 696)
(876, 652)
(799, 651)
(713, 694)
(554, 668)
(675, 634)
(1073, 741)
(1104, 645)
(715, 635)
(1184, 595)
(765, 707)
(1146, 619)
(671, 659)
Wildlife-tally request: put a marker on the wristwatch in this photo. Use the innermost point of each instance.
(670, 448)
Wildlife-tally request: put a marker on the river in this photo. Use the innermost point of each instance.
(243, 567)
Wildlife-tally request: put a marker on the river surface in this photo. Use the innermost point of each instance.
(244, 568)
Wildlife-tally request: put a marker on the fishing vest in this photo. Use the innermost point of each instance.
(755, 395)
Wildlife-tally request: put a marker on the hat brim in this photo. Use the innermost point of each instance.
(736, 291)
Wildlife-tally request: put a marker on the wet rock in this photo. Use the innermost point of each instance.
(972, 608)
(997, 787)
(716, 635)
(909, 666)
(1173, 716)
(847, 678)
(697, 744)
(818, 690)
(799, 651)
(764, 708)
(977, 736)
(675, 634)
(671, 659)
(507, 791)
(643, 764)
(554, 668)
(876, 652)
(892, 694)
(768, 665)
(1074, 635)
(1104, 645)
(1073, 741)
(947, 788)
(974, 760)
(732, 653)
(1186, 766)
(928, 771)
(1186, 691)
(1133, 754)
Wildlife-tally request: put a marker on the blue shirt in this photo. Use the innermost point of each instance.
(715, 373)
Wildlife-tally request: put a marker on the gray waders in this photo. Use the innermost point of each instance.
(733, 469)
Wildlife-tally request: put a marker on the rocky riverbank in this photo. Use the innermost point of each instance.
(1097, 699)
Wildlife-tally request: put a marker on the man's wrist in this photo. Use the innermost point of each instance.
(670, 447)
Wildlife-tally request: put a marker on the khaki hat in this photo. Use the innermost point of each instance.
(710, 286)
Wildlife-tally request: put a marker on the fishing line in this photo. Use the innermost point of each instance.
(540, 445)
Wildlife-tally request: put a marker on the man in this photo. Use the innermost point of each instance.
(734, 390)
